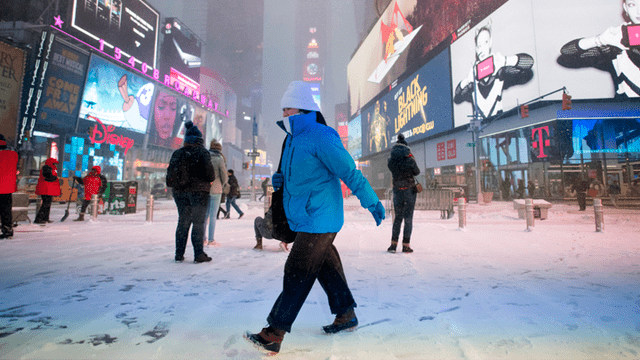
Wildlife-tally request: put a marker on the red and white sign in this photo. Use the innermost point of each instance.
(451, 149)
(441, 152)
(104, 134)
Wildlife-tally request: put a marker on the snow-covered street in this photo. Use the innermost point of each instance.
(111, 290)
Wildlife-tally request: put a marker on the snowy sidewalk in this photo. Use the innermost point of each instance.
(111, 290)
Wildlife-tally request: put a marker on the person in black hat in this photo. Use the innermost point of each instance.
(8, 177)
(190, 174)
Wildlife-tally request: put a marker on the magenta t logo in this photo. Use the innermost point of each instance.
(540, 143)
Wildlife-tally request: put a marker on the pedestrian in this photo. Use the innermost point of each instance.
(506, 189)
(190, 174)
(8, 185)
(48, 187)
(234, 193)
(313, 163)
(403, 168)
(531, 187)
(265, 183)
(580, 186)
(614, 192)
(262, 231)
(94, 184)
(223, 199)
(521, 189)
(215, 194)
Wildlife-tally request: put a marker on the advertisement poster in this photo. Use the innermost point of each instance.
(355, 138)
(214, 128)
(180, 50)
(12, 70)
(418, 107)
(166, 122)
(63, 85)
(116, 97)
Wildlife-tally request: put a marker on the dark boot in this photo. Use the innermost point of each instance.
(268, 340)
(80, 217)
(405, 246)
(392, 248)
(7, 232)
(346, 321)
(202, 258)
(258, 243)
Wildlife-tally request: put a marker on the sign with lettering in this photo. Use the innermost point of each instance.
(11, 72)
(105, 134)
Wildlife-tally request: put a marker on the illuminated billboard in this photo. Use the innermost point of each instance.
(12, 64)
(355, 137)
(180, 55)
(116, 96)
(120, 28)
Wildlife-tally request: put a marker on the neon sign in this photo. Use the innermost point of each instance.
(107, 136)
(541, 143)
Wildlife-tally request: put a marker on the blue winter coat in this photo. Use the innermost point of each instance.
(313, 163)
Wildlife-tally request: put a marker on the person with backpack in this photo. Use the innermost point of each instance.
(403, 169)
(94, 183)
(190, 174)
(48, 186)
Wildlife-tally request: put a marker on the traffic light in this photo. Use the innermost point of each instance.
(566, 101)
(524, 111)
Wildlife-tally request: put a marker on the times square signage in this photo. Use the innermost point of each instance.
(131, 62)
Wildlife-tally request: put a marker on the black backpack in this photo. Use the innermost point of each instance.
(178, 170)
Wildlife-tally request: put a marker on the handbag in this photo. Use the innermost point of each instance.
(275, 219)
(417, 188)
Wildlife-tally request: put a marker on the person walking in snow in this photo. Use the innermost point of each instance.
(404, 168)
(8, 185)
(313, 163)
(47, 187)
(215, 194)
(94, 184)
(190, 174)
(264, 185)
(234, 193)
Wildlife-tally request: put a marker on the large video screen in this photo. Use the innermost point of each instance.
(400, 42)
(355, 137)
(129, 25)
(181, 50)
(116, 96)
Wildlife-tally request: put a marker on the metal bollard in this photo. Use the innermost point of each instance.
(94, 207)
(150, 208)
(528, 205)
(462, 213)
(597, 208)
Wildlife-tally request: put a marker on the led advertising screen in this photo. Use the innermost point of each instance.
(63, 85)
(418, 107)
(401, 42)
(166, 122)
(116, 96)
(12, 69)
(181, 51)
(130, 26)
(355, 138)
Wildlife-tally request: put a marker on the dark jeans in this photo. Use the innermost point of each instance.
(582, 200)
(231, 201)
(45, 209)
(85, 204)
(259, 228)
(312, 257)
(6, 202)
(192, 210)
(404, 202)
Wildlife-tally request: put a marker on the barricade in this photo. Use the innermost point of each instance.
(20, 207)
(430, 199)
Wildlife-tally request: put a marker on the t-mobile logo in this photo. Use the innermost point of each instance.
(541, 142)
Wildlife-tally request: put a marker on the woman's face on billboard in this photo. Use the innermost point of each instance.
(483, 45)
(632, 8)
(164, 114)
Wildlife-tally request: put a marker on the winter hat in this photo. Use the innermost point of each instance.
(298, 96)
(401, 139)
(215, 145)
(97, 169)
(193, 134)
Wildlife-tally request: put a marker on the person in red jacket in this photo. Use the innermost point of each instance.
(8, 174)
(94, 183)
(48, 187)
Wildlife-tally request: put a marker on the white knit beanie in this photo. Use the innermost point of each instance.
(298, 96)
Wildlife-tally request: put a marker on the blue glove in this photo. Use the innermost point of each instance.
(377, 211)
(277, 180)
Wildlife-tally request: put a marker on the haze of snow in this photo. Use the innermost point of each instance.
(111, 290)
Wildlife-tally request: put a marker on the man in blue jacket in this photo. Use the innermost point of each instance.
(313, 163)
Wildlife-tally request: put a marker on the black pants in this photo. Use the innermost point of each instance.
(582, 200)
(312, 257)
(45, 209)
(404, 202)
(6, 202)
(192, 211)
(85, 204)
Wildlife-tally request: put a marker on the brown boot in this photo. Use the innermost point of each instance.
(392, 248)
(80, 217)
(346, 321)
(258, 243)
(269, 339)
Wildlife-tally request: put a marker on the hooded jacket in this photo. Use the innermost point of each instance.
(93, 182)
(313, 163)
(403, 166)
(48, 181)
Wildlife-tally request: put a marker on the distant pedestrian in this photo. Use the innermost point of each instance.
(48, 187)
(531, 187)
(404, 168)
(521, 189)
(234, 192)
(215, 194)
(265, 184)
(190, 174)
(505, 187)
(8, 185)
(313, 163)
(580, 186)
(94, 184)
(614, 192)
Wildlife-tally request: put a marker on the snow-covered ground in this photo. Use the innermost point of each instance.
(111, 290)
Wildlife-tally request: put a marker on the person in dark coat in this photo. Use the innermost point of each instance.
(234, 191)
(48, 187)
(614, 192)
(265, 183)
(531, 187)
(94, 184)
(521, 189)
(581, 186)
(505, 186)
(8, 185)
(190, 174)
(403, 168)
